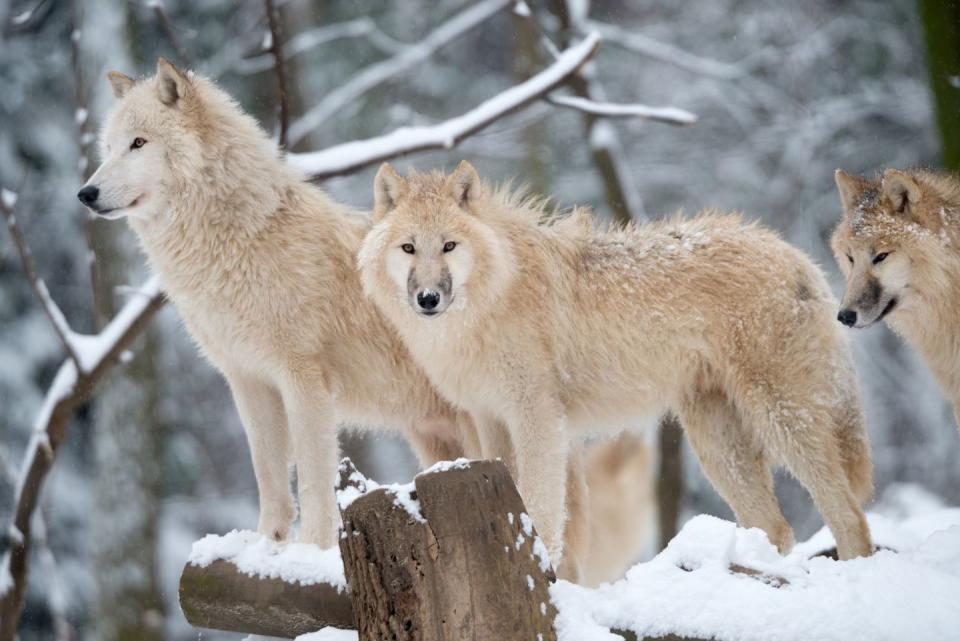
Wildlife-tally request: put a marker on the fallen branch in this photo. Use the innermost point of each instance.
(386, 70)
(221, 597)
(341, 159)
(71, 388)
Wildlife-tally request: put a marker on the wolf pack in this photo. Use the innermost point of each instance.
(479, 321)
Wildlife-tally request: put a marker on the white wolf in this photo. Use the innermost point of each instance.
(557, 329)
(261, 266)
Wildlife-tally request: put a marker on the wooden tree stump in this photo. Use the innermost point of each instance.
(451, 556)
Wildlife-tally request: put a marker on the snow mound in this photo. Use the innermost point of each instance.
(688, 589)
(256, 555)
(330, 634)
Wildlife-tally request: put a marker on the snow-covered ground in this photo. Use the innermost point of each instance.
(907, 590)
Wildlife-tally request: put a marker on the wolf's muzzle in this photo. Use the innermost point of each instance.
(88, 195)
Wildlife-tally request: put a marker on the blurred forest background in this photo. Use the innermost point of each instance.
(785, 92)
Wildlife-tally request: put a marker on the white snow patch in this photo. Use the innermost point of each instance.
(403, 494)
(22, 17)
(522, 9)
(9, 198)
(267, 42)
(330, 634)
(6, 579)
(80, 116)
(256, 555)
(530, 583)
(445, 466)
(688, 590)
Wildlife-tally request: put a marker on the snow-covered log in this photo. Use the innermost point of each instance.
(452, 555)
(341, 159)
(222, 596)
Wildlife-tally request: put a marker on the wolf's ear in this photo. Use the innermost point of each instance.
(388, 187)
(901, 190)
(119, 83)
(851, 189)
(464, 184)
(172, 84)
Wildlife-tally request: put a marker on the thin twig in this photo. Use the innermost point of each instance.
(276, 48)
(85, 139)
(389, 69)
(54, 315)
(160, 12)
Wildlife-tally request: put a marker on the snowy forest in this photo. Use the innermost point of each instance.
(742, 105)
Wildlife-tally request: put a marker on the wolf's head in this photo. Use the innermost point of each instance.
(176, 138)
(142, 132)
(430, 247)
(890, 228)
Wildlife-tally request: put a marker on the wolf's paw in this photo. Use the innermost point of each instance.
(275, 523)
(323, 536)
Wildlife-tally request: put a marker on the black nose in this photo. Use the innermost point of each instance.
(88, 195)
(428, 299)
(848, 317)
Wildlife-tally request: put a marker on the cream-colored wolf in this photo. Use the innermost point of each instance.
(898, 244)
(261, 266)
(557, 329)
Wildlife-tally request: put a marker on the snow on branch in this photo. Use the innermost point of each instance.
(665, 52)
(341, 159)
(386, 70)
(72, 386)
(668, 115)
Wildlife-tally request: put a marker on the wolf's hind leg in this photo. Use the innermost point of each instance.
(806, 438)
(261, 412)
(576, 532)
(736, 464)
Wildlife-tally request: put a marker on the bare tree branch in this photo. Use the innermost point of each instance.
(386, 70)
(280, 69)
(667, 115)
(342, 159)
(632, 41)
(54, 315)
(71, 387)
(307, 40)
(160, 12)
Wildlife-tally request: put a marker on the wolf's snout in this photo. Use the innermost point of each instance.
(428, 299)
(88, 195)
(848, 317)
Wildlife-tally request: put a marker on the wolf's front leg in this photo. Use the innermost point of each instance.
(541, 446)
(262, 415)
(313, 430)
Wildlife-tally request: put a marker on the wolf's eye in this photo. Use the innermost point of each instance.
(408, 247)
(137, 143)
(850, 258)
(879, 257)
(448, 246)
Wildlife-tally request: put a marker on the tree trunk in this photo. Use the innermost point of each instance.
(941, 23)
(670, 478)
(461, 563)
